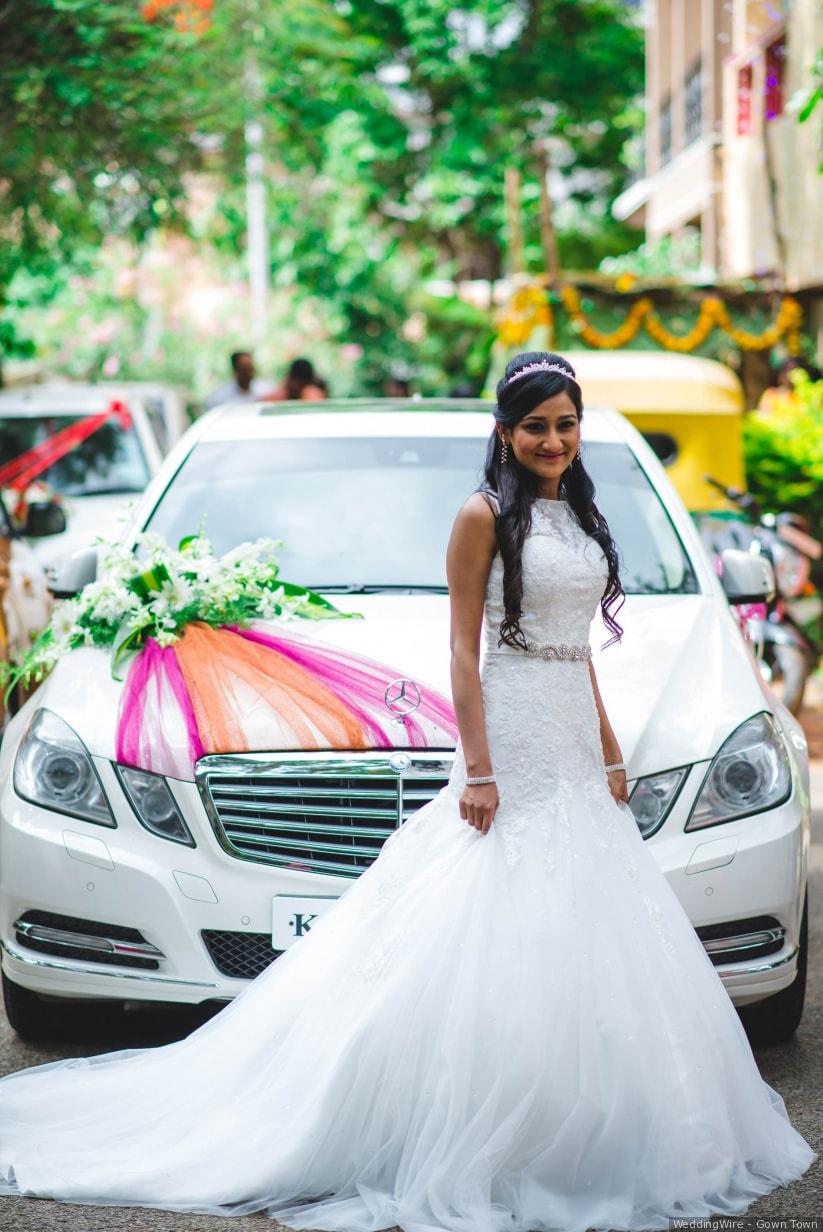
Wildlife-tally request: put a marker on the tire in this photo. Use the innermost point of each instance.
(775, 1020)
(39, 1020)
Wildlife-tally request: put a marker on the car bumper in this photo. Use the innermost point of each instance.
(175, 896)
(127, 878)
(740, 874)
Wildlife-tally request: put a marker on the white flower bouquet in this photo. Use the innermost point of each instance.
(127, 605)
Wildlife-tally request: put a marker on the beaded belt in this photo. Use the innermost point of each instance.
(574, 653)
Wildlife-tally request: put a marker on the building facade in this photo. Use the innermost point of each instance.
(725, 154)
(685, 45)
(772, 186)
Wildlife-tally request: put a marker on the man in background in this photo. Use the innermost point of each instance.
(244, 385)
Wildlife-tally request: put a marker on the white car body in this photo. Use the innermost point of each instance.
(679, 683)
(158, 421)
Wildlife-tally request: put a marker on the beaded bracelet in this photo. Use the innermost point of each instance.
(618, 765)
(488, 778)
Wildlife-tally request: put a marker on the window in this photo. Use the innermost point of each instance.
(694, 103)
(775, 79)
(111, 460)
(745, 119)
(378, 511)
(664, 445)
(153, 407)
(666, 132)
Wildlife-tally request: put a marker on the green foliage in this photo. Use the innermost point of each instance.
(456, 346)
(478, 88)
(784, 451)
(104, 114)
(669, 256)
(91, 131)
(387, 125)
(409, 182)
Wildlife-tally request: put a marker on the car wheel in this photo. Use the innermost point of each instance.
(41, 1020)
(775, 1020)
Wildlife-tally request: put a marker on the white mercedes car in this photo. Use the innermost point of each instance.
(117, 885)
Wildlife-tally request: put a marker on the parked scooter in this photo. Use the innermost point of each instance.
(785, 653)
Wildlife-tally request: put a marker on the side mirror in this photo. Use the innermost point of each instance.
(67, 575)
(44, 518)
(746, 577)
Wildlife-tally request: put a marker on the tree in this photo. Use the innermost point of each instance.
(106, 110)
(408, 180)
(387, 126)
(481, 87)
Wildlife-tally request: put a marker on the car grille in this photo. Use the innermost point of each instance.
(242, 955)
(315, 813)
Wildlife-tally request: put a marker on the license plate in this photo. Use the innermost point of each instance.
(293, 916)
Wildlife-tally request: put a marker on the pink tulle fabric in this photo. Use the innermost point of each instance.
(233, 690)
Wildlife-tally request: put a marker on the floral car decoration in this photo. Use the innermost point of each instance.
(211, 669)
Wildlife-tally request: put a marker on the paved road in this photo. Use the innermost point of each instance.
(795, 1070)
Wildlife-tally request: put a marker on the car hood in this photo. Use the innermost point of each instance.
(675, 687)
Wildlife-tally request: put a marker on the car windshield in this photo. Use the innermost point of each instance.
(378, 511)
(110, 460)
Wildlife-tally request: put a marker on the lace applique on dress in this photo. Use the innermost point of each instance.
(556, 518)
(564, 575)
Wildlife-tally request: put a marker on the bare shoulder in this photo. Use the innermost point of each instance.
(474, 523)
(473, 541)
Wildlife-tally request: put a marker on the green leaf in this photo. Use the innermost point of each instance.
(314, 600)
(127, 643)
(150, 581)
(810, 105)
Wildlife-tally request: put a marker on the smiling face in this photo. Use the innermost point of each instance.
(546, 440)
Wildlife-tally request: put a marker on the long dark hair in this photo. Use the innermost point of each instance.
(516, 489)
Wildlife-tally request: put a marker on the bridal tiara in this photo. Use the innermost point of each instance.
(541, 367)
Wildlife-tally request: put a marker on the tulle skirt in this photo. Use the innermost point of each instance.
(516, 1031)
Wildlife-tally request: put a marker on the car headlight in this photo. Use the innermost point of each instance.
(653, 796)
(154, 805)
(53, 769)
(750, 773)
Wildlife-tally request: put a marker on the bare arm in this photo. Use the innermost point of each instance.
(468, 562)
(611, 749)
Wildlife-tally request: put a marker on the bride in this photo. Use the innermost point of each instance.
(507, 1022)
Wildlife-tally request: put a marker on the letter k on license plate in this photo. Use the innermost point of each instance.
(293, 916)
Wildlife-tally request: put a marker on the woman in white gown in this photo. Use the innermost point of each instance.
(507, 1022)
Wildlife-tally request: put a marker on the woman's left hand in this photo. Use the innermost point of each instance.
(618, 786)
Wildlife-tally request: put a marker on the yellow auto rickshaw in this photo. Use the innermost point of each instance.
(690, 411)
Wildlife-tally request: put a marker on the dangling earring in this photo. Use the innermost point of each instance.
(504, 451)
(578, 457)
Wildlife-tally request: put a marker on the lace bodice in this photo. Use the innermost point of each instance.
(564, 575)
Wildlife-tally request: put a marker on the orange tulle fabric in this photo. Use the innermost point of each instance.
(214, 660)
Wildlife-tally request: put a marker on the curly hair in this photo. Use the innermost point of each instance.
(516, 488)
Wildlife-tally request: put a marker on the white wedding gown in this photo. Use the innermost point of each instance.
(513, 1031)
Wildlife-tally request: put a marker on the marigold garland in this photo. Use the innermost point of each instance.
(530, 308)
